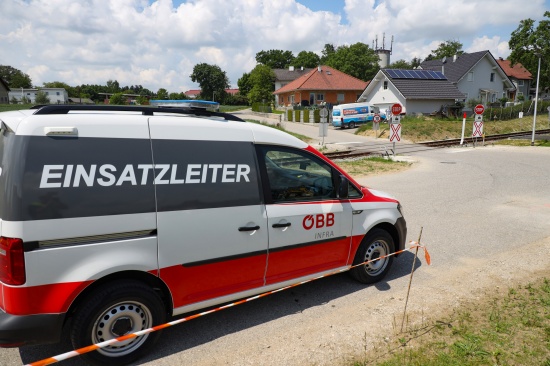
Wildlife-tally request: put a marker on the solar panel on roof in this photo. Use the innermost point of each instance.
(401, 74)
(392, 73)
(415, 74)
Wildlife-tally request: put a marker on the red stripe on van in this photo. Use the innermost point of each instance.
(54, 298)
(285, 265)
(203, 282)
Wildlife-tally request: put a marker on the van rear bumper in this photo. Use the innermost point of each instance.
(23, 330)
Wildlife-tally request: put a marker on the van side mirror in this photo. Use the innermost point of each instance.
(343, 187)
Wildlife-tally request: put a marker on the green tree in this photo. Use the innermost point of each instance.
(113, 86)
(141, 100)
(357, 60)
(328, 50)
(15, 78)
(400, 64)
(162, 94)
(275, 59)
(262, 79)
(117, 99)
(244, 84)
(528, 43)
(415, 62)
(448, 48)
(41, 98)
(212, 80)
(306, 59)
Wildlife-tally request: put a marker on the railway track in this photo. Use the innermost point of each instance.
(469, 140)
(385, 148)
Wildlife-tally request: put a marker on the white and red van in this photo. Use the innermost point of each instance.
(119, 218)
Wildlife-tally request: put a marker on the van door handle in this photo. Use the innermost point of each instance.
(287, 224)
(249, 228)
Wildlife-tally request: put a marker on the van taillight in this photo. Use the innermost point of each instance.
(12, 261)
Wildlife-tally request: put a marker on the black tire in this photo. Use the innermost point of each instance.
(375, 244)
(116, 309)
(351, 125)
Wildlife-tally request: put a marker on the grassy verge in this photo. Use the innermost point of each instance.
(543, 143)
(371, 166)
(232, 108)
(511, 328)
(427, 128)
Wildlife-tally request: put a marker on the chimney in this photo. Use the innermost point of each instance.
(291, 68)
(319, 68)
(454, 58)
(302, 68)
(443, 69)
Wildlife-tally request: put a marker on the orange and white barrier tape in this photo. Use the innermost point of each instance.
(80, 351)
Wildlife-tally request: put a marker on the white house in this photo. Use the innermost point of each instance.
(56, 95)
(478, 75)
(418, 91)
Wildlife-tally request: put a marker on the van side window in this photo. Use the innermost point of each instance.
(294, 175)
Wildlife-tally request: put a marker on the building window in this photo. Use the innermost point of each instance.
(521, 82)
(340, 97)
(520, 94)
(320, 97)
(492, 76)
(57, 93)
(385, 85)
(470, 76)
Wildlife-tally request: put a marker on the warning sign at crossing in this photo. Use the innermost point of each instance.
(395, 132)
(478, 129)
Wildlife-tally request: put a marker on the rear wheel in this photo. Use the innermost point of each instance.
(376, 244)
(120, 308)
(351, 125)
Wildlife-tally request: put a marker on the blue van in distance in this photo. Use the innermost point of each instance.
(353, 114)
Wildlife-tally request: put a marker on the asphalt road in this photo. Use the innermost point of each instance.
(485, 214)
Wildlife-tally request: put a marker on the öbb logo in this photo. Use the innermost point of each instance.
(318, 221)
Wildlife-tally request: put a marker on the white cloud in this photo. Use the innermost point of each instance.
(157, 43)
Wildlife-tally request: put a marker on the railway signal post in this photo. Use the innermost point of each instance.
(395, 125)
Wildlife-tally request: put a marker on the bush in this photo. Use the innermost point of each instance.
(263, 108)
(306, 115)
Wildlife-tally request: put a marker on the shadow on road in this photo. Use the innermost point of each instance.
(235, 319)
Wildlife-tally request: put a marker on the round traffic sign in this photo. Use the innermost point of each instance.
(396, 109)
(376, 118)
(479, 109)
(323, 112)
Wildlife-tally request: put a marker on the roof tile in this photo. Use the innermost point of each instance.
(326, 79)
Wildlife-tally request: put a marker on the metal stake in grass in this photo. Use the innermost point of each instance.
(411, 278)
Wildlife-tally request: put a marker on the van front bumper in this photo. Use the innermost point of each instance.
(401, 226)
(24, 330)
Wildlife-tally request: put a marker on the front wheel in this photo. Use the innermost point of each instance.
(376, 244)
(118, 309)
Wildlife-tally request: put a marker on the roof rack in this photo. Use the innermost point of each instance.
(145, 110)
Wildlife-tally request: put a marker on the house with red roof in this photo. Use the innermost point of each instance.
(520, 76)
(321, 85)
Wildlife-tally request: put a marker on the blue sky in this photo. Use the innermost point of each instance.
(156, 43)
